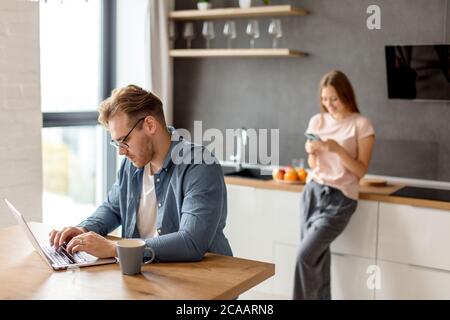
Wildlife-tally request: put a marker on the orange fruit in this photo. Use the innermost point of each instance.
(290, 175)
(302, 174)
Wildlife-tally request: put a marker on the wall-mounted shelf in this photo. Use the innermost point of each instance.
(224, 13)
(212, 53)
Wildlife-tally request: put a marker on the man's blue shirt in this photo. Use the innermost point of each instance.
(191, 201)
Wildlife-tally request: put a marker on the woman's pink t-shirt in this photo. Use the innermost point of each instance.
(329, 169)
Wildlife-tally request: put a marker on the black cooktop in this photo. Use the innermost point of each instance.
(423, 193)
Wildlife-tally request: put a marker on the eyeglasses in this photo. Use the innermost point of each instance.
(122, 144)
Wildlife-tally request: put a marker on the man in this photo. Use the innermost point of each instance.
(178, 205)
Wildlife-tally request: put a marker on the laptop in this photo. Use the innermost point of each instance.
(59, 259)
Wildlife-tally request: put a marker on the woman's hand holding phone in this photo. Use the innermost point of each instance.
(312, 143)
(312, 136)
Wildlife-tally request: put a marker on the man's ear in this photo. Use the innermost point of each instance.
(150, 124)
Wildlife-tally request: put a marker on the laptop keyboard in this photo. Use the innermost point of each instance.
(62, 257)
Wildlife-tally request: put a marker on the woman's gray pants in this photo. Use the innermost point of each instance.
(325, 212)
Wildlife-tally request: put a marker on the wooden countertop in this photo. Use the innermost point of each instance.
(23, 275)
(366, 192)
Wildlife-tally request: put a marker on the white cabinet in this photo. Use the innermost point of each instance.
(403, 281)
(360, 236)
(412, 252)
(279, 219)
(409, 245)
(242, 221)
(257, 218)
(284, 259)
(349, 278)
(279, 213)
(414, 235)
(348, 274)
(248, 231)
(353, 252)
(264, 225)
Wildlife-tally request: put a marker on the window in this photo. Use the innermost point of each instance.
(73, 144)
(70, 55)
(70, 162)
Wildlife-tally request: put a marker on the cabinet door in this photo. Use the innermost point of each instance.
(241, 221)
(284, 259)
(279, 234)
(414, 235)
(279, 215)
(264, 225)
(280, 286)
(360, 236)
(349, 277)
(402, 281)
(279, 223)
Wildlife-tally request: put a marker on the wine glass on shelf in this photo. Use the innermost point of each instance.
(253, 31)
(275, 31)
(189, 34)
(229, 30)
(208, 32)
(172, 31)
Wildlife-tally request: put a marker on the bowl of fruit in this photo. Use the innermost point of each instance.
(290, 175)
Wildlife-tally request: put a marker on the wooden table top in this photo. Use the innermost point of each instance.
(23, 275)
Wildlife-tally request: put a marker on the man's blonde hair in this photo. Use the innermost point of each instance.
(133, 101)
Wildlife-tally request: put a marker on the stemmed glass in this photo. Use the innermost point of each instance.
(208, 32)
(189, 34)
(229, 30)
(275, 31)
(172, 31)
(253, 31)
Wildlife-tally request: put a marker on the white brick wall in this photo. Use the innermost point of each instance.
(20, 110)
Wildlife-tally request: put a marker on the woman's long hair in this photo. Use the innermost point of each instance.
(339, 81)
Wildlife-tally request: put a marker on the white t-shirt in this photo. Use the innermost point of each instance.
(146, 218)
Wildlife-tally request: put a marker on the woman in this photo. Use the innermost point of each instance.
(338, 158)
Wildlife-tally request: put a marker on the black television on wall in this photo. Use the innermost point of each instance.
(418, 71)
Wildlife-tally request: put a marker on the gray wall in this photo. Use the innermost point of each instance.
(413, 138)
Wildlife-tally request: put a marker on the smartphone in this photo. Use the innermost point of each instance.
(312, 136)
